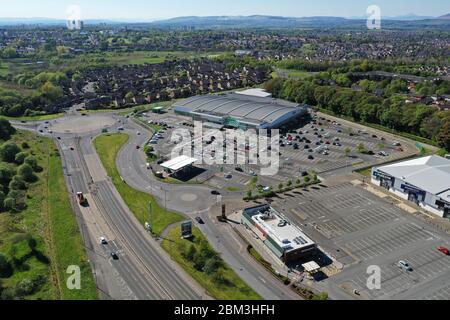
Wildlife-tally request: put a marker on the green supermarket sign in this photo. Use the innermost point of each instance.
(232, 122)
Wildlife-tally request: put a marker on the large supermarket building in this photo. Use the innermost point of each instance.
(424, 181)
(251, 109)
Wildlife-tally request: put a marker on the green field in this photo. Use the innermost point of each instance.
(108, 147)
(44, 117)
(48, 219)
(230, 287)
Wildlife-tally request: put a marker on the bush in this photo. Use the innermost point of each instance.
(20, 157)
(6, 269)
(8, 294)
(32, 162)
(17, 183)
(26, 172)
(8, 152)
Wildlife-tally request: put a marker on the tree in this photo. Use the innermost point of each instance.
(5, 266)
(347, 151)
(280, 186)
(190, 254)
(17, 183)
(307, 179)
(249, 194)
(361, 148)
(443, 137)
(8, 152)
(289, 183)
(6, 130)
(26, 172)
(20, 157)
(213, 265)
(32, 162)
(298, 182)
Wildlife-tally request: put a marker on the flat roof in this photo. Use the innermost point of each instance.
(311, 267)
(178, 163)
(280, 230)
(255, 93)
(431, 174)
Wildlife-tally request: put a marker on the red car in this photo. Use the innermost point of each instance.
(444, 250)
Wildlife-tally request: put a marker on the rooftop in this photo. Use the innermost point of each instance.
(255, 93)
(431, 174)
(286, 235)
(178, 163)
(240, 106)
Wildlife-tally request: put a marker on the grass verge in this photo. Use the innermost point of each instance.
(44, 117)
(223, 283)
(49, 220)
(108, 146)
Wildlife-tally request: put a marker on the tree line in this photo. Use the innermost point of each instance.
(387, 109)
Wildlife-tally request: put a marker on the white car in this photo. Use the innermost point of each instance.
(405, 266)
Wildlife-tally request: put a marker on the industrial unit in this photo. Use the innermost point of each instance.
(285, 240)
(424, 181)
(250, 109)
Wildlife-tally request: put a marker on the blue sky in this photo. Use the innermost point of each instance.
(158, 9)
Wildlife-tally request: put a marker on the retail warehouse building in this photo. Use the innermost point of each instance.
(285, 240)
(250, 109)
(424, 181)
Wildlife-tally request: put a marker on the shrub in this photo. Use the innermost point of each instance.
(32, 162)
(6, 269)
(17, 183)
(26, 172)
(8, 152)
(20, 157)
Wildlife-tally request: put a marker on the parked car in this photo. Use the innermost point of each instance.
(444, 250)
(405, 266)
(215, 193)
(238, 169)
(114, 256)
(103, 241)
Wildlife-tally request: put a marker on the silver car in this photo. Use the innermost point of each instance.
(405, 266)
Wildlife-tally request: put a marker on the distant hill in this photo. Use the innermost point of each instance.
(256, 21)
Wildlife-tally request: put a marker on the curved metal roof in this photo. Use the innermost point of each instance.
(260, 110)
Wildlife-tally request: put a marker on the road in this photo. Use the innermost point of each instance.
(143, 271)
(196, 200)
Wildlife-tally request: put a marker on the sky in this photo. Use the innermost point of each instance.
(144, 10)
